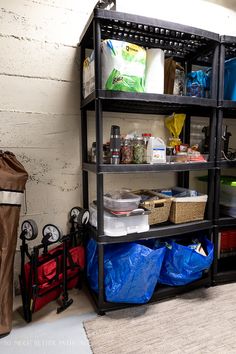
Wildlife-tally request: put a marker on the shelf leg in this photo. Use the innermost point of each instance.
(100, 276)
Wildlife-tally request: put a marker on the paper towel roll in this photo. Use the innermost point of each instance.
(154, 81)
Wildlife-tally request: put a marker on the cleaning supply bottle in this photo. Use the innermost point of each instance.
(156, 151)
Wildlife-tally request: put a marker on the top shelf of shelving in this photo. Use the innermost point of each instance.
(177, 40)
(230, 46)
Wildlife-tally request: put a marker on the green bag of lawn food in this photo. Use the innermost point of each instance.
(123, 66)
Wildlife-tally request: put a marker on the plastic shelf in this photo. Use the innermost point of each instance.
(226, 164)
(226, 270)
(229, 108)
(177, 40)
(146, 168)
(226, 221)
(133, 102)
(161, 292)
(224, 277)
(229, 105)
(158, 231)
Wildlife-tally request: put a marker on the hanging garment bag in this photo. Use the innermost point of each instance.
(12, 184)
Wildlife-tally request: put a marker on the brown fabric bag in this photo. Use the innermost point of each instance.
(12, 184)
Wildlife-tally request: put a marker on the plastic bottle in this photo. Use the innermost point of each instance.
(156, 151)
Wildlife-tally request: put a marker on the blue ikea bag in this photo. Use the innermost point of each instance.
(197, 83)
(182, 264)
(131, 271)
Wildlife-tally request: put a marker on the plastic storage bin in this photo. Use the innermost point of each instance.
(121, 201)
(119, 226)
(228, 191)
(228, 195)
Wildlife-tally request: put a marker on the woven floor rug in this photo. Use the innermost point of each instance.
(201, 321)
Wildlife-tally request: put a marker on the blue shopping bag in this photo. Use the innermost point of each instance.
(182, 264)
(131, 271)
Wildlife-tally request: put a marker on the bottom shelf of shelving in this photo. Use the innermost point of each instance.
(226, 270)
(161, 292)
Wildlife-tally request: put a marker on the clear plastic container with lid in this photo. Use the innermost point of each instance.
(119, 226)
(121, 201)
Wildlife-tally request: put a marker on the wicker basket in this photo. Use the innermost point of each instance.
(187, 209)
(159, 207)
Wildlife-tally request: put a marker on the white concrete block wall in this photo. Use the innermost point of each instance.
(39, 101)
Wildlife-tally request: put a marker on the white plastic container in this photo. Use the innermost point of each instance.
(156, 151)
(154, 80)
(119, 226)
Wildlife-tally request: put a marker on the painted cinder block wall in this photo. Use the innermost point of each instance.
(39, 95)
(39, 100)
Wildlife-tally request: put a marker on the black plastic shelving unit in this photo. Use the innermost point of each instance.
(224, 269)
(188, 45)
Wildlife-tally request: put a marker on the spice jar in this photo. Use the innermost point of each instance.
(126, 152)
(138, 150)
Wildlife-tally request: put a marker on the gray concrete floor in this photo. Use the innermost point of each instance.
(50, 332)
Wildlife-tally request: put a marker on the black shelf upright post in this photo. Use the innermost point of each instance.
(225, 109)
(99, 157)
(213, 131)
(219, 74)
(84, 132)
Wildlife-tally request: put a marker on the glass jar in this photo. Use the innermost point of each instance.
(126, 152)
(138, 150)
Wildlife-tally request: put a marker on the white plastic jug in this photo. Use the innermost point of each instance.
(156, 151)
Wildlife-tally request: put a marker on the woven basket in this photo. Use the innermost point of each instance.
(187, 209)
(159, 207)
